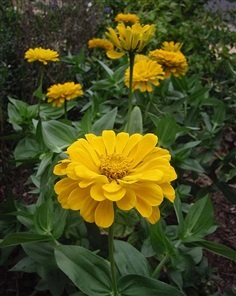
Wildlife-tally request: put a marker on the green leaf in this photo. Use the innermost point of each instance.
(43, 218)
(136, 285)
(26, 149)
(129, 260)
(89, 272)
(57, 135)
(106, 68)
(179, 215)
(106, 122)
(190, 164)
(159, 240)
(229, 192)
(17, 238)
(216, 248)
(26, 264)
(136, 121)
(199, 219)
(166, 131)
(59, 222)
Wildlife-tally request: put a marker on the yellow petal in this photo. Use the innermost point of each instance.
(121, 141)
(76, 198)
(145, 146)
(112, 54)
(168, 191)
(143, 207)
(88, 209)
(104, 214)
(96, 192)
(109, 139)
(64, 184)
(151, 193)
(128, 201)
(155, 216)
(153, 175)
(111, 187)
(114, 196)
(131, 143)
(60, 169)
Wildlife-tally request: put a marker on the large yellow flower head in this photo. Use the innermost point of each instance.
(171, 59)
(110, 170)
(127, 18)
(129, 38)
(58, 93)
(146, 74)
(101, 43)
(42, 55)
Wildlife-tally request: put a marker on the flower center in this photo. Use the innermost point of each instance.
(114, 166)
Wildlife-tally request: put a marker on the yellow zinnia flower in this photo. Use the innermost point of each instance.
(171, 46)
(58, 93)
(108, 170)
(171, 59)
(127, 38)
(127, 18)
(42, 55)
(101, 43)
(146, 73)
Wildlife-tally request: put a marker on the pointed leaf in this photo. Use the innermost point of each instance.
(106, 122)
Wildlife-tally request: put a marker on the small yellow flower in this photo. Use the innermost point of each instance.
(171, 46)
(127, 18)
(42, 55)
(127, 171)
(146, 74)
(58, 93)
(139, 57)
(101, 43)
(127, 38)
(171, 59)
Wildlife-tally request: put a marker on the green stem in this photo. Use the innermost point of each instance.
(40, 88)
(131, 61)
(112, 261)
(159, 267)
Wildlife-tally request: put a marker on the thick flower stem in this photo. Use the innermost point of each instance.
(112, 261)
(159, 267)
(131, 61)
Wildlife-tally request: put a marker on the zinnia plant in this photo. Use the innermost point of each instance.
(109, 171)
(41, 55)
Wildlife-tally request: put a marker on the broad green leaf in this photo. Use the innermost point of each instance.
(166, 131)
(41, 252)
(190, 164)
(106, 122)
(216, 248)
(26, 264)
(106, 68)
(159, 240)
(219, 114)
(199, 220)
(46, 159)
(27, 149)
(129, 260)
(17, 238)
(136, 121)
(179, 215)
(57, 135)
(59, 222)
(43, 218)
(88, 271)
(136, 285)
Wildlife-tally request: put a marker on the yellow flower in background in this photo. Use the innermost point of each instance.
(146, 74)
(127, 18)
(129, 38)
(171, 46)
(101, 43)
(58, 93)
(171, 59)
(41, 55)
(128, 171)
(140, 57)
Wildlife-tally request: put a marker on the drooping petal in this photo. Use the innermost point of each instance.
(112, 54)
(155, 216)
(88, 208)
(104, 214)
(168, 191)
(60, 169)
(76, 198)
(150, 192)
(128, 201)
(114, 196)
(143, 207)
